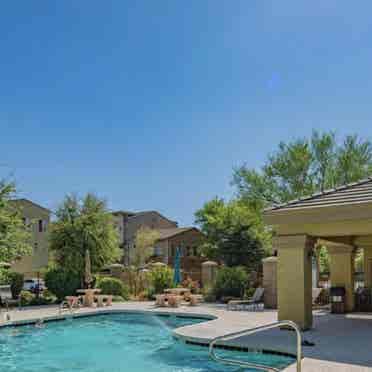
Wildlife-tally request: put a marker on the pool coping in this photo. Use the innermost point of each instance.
(66, 316)
(191, 340)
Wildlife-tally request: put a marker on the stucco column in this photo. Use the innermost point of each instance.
(270, 282)
(342, 270)
(209, 273)
(295, 279)
(367, 250)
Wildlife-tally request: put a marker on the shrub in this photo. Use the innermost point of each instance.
(161, 278)
(30, 299)
(4, 276)
(26, 298)
(61, 282)
(113, 286)
(16, 283)
(37, 301)
(230, 282)
(249, 292)
(117, 299)
(208, 294)
(48, 294)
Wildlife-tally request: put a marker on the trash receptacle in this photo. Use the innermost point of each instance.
(337, 297)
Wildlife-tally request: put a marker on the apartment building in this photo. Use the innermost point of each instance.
(128, 223)
(38, 219)
(171, 237)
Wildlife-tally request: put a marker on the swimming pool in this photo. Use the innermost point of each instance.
(112, 343)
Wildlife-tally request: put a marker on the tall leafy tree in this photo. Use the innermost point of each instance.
(323, 152)
(14, 235)
(83, 225)
(145, 240)
(353, 160)
(234, 234)
(302, 167)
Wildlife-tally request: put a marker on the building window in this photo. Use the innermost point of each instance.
(36, 246)
(157, 251)
(188, 251)
(42, 226)
(195, 251)
(182, 251)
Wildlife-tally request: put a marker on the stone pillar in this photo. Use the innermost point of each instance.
(367, 250)
(294, 279)
(208, 273)
(342, 270)
(269, 268)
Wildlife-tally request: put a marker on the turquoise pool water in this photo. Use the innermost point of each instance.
(112, 343)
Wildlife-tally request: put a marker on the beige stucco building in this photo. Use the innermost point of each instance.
(38, 220)
(187, 239)
(170, 237)
(128, 223)
(340, 219)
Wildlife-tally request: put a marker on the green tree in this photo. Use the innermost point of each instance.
(233, 233)
(83, 225)
(145, 240)
(324, 260)
(230, 282)
(302, 167)
(14, 235)
(354, 160)
(161, 278)
(323, 150)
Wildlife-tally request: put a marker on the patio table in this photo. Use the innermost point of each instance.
(185, 292)
(89, 295)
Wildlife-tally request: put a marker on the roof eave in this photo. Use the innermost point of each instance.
(319, 214)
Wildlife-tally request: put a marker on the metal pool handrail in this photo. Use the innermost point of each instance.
(246, 332)
(61, 307)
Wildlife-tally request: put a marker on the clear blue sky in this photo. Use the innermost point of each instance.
(150, 104)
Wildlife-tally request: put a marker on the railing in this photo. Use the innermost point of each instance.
(285, 323)
(62, 307)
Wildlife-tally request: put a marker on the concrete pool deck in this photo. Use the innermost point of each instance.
(342, 342)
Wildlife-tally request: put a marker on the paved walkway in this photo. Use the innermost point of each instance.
(342, 342)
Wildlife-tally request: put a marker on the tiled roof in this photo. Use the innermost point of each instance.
(169, 233)
(123, 213)
(138, 214)
(27, 201)
(352, 193)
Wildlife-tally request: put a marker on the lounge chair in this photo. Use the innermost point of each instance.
(316, 292)
(253, 303)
